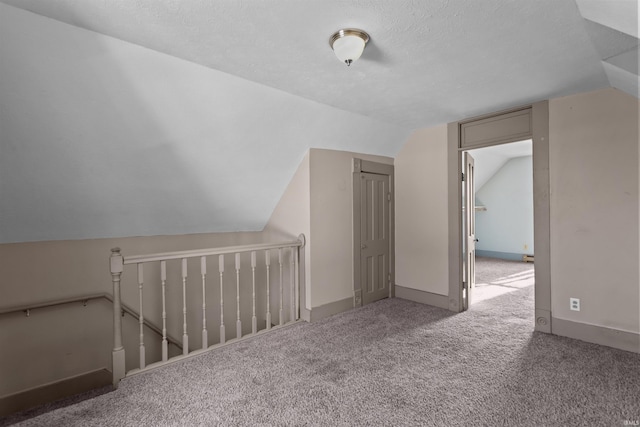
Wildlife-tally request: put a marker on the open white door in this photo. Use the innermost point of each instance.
(470, 232)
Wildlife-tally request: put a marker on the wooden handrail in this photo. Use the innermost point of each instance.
(84, 299)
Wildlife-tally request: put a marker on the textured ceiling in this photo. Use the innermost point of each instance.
(147, 117)
(427, 63)
(621, 15)
(613, 29)
(104, 138)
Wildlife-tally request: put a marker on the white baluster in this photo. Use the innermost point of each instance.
(281, 287)
(205, 334)
(185, 336)
(292, 306)
(221, 270)
(141, 317)
(254, 319)
(238, 321)
(267, 261)
(165, 343)
(297, 282)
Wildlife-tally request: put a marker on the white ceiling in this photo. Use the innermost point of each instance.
(489, 160)
(621, 15)
(104, 138)
(612, 26)
(427, 62)
(143, 117)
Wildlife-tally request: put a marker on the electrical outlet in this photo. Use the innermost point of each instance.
(574, 304)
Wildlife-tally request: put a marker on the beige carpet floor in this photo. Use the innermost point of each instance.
(391, 363)
(495, 277)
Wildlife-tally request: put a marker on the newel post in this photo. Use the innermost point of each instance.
(118, 360)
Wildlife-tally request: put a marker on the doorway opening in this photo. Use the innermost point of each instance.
(498, 228)
(493, 129)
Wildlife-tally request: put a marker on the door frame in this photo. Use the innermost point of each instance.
(359, 166)
(529, 122)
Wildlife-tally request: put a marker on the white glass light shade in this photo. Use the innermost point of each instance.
(349, 48)
(349, 44)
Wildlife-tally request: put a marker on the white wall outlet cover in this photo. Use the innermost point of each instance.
(574, 304)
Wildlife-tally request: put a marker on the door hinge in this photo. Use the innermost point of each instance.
(389, 277)
(389, 196)
(462, 176)
(464, 285)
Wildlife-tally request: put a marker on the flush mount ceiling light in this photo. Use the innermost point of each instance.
(348, 44)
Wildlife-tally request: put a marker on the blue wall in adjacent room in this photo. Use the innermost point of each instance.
(505, 229)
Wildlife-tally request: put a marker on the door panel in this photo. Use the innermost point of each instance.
(374, 236)
(470, 232)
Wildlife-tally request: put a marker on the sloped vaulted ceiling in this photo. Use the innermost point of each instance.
(103, 138)
(146, 117)
(613, 29)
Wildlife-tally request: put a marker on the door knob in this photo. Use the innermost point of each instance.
(363, 246)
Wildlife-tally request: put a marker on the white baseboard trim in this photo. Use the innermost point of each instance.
(615, 338)
(330, 309)
(423, 297)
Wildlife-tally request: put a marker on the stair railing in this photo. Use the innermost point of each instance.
(283, 250)
(84, 299)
